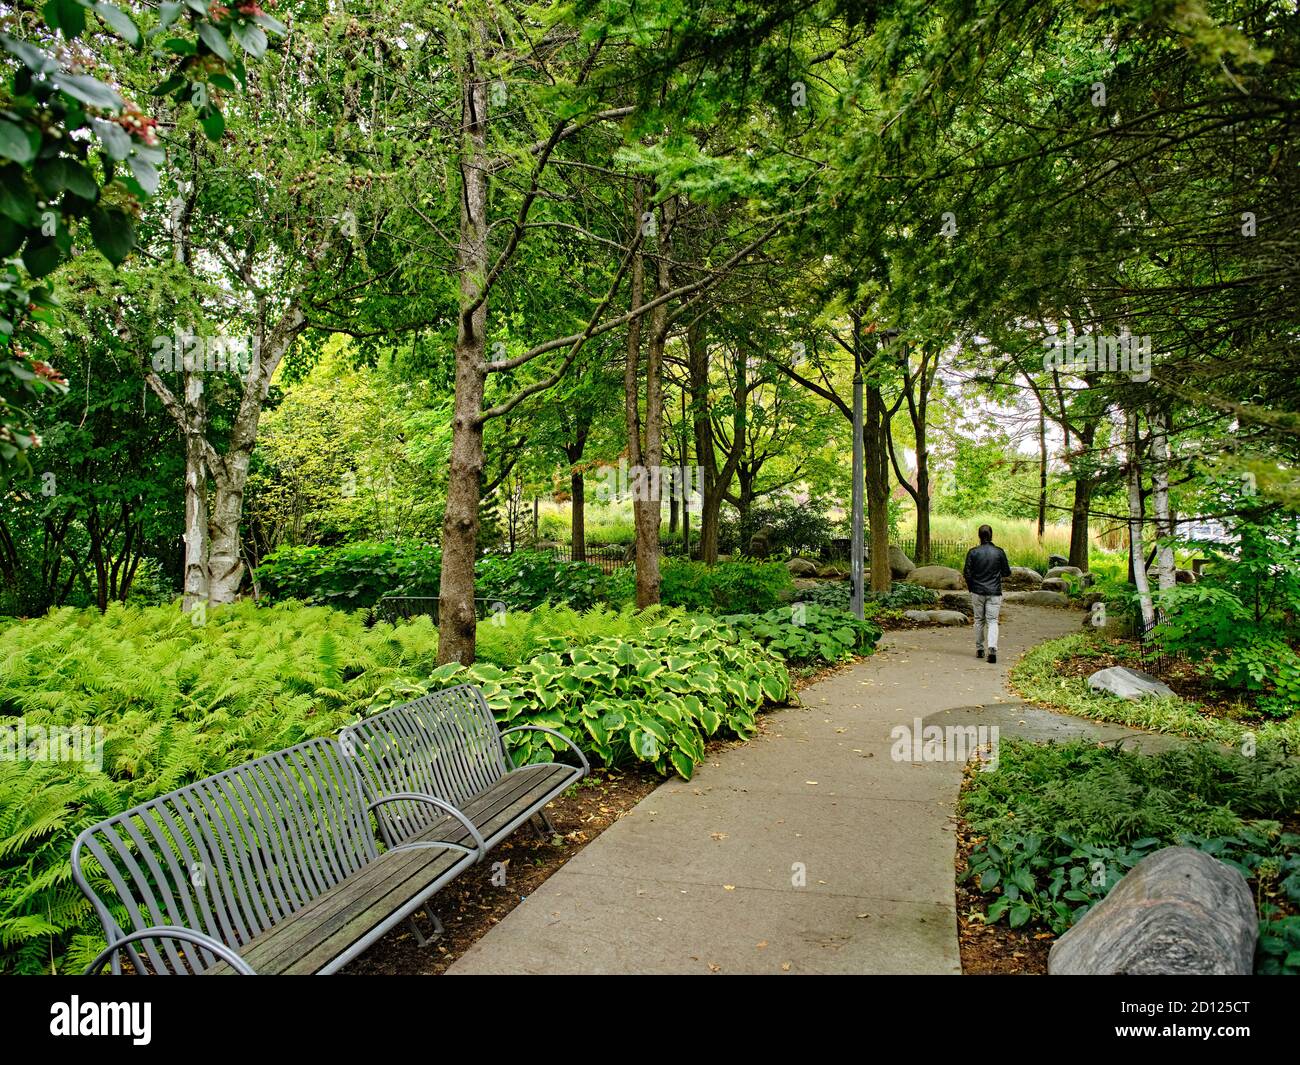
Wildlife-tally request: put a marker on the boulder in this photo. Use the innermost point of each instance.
(1178, 912)
(1039, 598)
(833, 573)
(1128, 683)
(958, 601)
(899, 564)
(759, 545)
(1065, 571)
(1022, 579)
(936, 617)
(1057, 560)
(801, 567)
(940, 577)
(1184, 576)
(1087, 580)
(1056, 584)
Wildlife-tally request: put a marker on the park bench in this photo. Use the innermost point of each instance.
(448, 744)
(269, 867)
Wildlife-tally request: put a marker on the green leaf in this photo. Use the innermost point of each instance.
(55, 175)
(16, 199)
(113, 233)
(40, 259)
(214, 125)
(66, 16)
(145, 173)
(17, 143)
(116, 140)
(212, 37)
(119, 22)
(89, 91)
(682, 763)
(251, 37)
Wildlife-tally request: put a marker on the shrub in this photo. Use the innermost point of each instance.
(901, 596)
(1058, 825)
(357, 575)
(352, 576)
(740, 585)
(655, 698)
(527, 579)
(807, 634)
(517, 635)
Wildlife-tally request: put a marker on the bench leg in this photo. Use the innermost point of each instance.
(543, 825)
(420, 937)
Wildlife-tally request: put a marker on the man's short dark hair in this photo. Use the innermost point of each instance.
(986, 534)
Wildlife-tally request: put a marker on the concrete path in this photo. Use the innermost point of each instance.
(807, 850)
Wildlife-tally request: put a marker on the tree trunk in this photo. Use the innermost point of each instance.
(1081, 508)
(876, 448)
(195, 588)
(1165, 575)
(1042, 472)
(647, 504)
(456, 619)
(1135, 548)
(578, 510)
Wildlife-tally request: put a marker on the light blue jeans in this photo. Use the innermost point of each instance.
(987, 608)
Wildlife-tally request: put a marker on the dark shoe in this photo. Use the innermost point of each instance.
(979, 653)
(993, 657)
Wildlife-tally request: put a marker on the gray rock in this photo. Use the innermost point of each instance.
(1065, 571)
(1057, 560)
(937, 617)
(1184, 576)
(899, 564)
(801, 567)
(1023, 579)
(1178, 912)
(1039, 598)
(958, 601)
(1056, 584)
(1087, 580)
(833, 573)
(1128, 683)
(941, 577)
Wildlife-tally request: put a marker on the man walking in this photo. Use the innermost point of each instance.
(985, 567)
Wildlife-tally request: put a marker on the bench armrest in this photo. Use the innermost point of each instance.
(586, 766)
(480, 847)
(185, 935)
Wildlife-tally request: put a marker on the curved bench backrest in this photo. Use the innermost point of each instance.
(445, 744)
(230, 855)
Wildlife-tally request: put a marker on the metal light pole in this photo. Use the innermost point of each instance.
(859, 471)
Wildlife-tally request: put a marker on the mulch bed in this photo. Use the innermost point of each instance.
(993, 949)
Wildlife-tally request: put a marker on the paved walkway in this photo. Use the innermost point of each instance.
(807, 850)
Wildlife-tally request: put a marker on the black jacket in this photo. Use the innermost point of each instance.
(985, 567)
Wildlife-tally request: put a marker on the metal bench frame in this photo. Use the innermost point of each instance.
(268, 837)
(447, 744)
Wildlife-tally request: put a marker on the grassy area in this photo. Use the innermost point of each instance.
(1038, 678)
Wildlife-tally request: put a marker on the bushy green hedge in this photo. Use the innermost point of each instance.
(352, 576)
(736, 586)
(358, 574)
(1059, 824)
